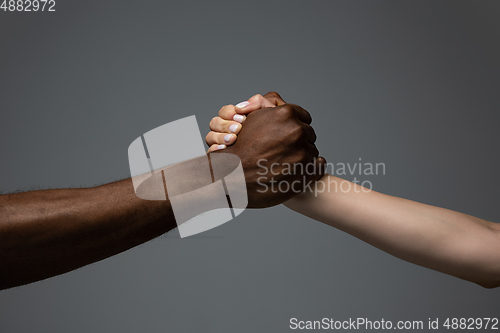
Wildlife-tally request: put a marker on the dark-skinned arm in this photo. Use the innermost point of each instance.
(51, 232)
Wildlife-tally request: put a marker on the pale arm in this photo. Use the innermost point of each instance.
(447, 241)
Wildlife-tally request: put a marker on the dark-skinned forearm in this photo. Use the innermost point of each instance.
(50, 232)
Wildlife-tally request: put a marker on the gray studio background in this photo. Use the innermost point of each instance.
(412, 84)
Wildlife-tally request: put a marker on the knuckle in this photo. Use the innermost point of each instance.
(315, 151)
(229, 112)
(207, 138)
(222, 110)
(257, 97)
(272, 94)
(301, 155)
(297, 133)
(300, 132)
(314, 136)
(225, 126)
(285, 111)
(213, 122)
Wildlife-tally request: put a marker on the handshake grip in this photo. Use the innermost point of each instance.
(205, 191)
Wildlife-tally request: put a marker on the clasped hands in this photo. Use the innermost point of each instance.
(275, 143)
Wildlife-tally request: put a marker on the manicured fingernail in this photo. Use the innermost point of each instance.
(233, 128)
(242, 105)
(219, 147)
(227, 137)
(239, 118)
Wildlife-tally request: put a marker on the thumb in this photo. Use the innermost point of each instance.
(255, 102)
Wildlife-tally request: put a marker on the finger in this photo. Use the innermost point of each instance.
(216, 147)
(217, 124)
(220, 138)
(310, 133)
(295, 111)
(321, 164)
(228, 112)
(313, 150)
(302, 114)
(255, 102)
(274, 98)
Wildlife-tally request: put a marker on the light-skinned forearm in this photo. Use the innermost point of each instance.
(50, 232)
(444, 240)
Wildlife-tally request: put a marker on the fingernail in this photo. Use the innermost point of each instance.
(242, 105)
(233, 128)
(227, 137)
(239, 118)
(219, 147)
